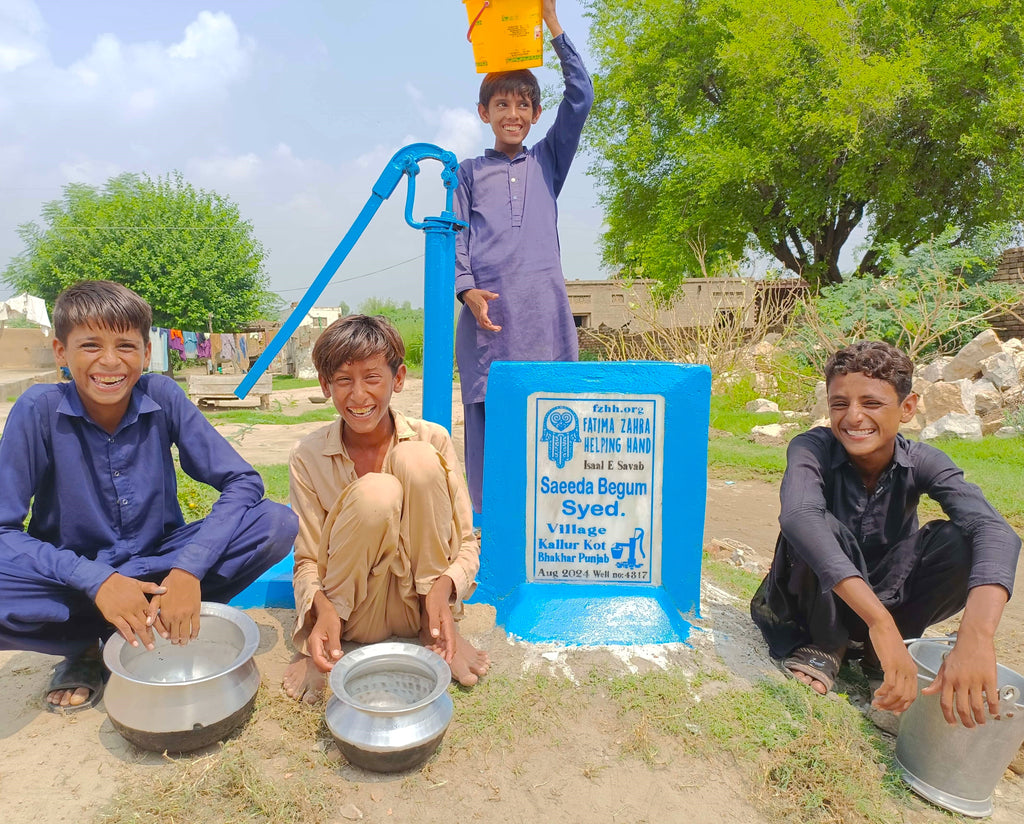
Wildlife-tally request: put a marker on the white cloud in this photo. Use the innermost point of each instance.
(114, 81)
(21, 34)
(460, 131)
(226, 169)
(147, 77)
(88, 171)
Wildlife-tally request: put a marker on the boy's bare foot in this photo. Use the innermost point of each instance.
(302, 680)
(469, 663)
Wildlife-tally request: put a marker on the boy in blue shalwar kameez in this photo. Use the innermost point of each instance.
(508, 269)
(107, 548)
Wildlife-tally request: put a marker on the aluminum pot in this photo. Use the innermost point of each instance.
(952, 766)
(182, 698)
(390, 706)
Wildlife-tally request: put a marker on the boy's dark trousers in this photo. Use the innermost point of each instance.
(922, 580)
(42, 616)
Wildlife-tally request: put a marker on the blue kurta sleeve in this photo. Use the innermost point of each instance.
(26, 458)
(463, 195)
(208, 458)
(563, 138)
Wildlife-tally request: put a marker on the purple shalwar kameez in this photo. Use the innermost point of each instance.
(511, 247)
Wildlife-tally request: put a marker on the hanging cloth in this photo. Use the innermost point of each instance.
(191, 345)
(159, 358)
(176, 341)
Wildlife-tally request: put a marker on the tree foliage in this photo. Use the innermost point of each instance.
(186, 251)
(779, 126)
(932, 301)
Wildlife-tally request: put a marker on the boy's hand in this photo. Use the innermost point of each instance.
(899, 689)
(440, 624)
(965, 680)
(551, 18)
(176, 613)
(122, 601)
(477, 300)
(324, 642)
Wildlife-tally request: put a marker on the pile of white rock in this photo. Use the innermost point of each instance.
(968, 395)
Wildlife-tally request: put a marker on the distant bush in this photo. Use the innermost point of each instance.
(931, 301)
(407, 320)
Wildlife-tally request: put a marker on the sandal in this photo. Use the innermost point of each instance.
(86, 671)
(819, 664)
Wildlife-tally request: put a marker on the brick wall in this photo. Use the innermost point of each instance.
(1011, 270)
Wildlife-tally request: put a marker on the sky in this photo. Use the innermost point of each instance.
(290, 108)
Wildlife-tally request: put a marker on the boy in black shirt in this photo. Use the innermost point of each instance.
(852, 564)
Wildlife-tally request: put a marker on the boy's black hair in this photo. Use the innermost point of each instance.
(356, 338)
(520, 81)
(876, 359)
(100, 303)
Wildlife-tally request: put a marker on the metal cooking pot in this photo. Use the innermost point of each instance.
(390, 707)
(952, 766)
(183, 698)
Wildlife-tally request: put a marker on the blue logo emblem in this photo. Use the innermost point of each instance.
(561, 431)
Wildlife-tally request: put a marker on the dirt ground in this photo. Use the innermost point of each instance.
(55, 769)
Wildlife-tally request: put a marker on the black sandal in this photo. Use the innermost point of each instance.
(815, 662)
(84, 671)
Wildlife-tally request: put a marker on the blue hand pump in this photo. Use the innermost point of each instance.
(438, 286)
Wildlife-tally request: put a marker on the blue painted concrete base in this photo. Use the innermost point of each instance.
(272, 589)
(591, 615)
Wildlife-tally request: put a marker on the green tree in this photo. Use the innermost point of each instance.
(779, 126)
(186, 251)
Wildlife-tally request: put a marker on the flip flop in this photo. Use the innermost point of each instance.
(819, 664)
(84, 671)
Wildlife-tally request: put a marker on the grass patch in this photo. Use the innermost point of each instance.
(739, 582)
(739, 459)
(251, 417)
(241, 781)
(197, 499)
(815, 759)
(504, 709)
(288, 382)
(275, 479)
(997, 466)
(728, 414)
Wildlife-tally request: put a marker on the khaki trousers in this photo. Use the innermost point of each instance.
(386, 540)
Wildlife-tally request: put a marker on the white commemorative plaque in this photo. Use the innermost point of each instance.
(594, 472)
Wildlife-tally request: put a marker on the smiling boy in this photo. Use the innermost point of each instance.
(385, 544)
(107, 548)
(852, 564)
(508, 269)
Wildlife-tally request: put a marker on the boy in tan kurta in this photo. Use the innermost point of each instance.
(385, 544)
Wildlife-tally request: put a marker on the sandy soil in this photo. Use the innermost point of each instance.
(54, 769)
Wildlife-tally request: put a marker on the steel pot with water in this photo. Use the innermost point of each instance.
(952, 766)
(183, 698)
(390, 706)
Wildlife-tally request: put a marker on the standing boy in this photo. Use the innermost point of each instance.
(852, 564)
(107, 547)
(508, 270)
(385, 544)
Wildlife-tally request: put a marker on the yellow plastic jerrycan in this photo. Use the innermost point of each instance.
(506, 34)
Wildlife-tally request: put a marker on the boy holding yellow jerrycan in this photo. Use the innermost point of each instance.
(508, 270)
